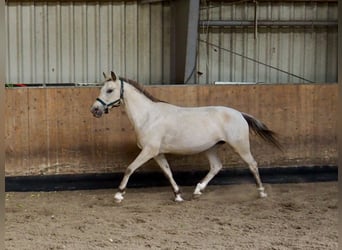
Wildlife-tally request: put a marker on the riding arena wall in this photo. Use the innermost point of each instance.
(51, 130)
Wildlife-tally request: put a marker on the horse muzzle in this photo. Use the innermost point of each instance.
(97, 112)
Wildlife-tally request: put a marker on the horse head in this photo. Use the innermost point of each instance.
(110, 96)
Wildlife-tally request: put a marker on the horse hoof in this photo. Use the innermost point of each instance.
(263, 195)
(118, 197)
(196, 196)
(178, 198)
(197, 193)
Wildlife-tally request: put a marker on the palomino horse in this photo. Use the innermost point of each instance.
(163, 128)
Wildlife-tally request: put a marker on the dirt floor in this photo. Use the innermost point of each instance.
(294, 216)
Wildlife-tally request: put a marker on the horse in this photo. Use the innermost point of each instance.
(163, 128)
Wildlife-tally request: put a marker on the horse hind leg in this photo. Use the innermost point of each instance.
(245, 153)
(253, 166)
(215, 167)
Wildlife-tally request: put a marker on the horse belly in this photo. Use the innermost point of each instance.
(189, 142)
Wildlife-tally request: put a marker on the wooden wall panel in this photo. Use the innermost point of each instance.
(38, 137)
(51, 130)
(17, 130)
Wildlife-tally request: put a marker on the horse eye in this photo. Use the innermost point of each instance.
(109, 91)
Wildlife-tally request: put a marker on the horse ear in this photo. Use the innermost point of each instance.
(113, 76)
(104, 75)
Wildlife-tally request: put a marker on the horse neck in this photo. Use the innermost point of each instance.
(137, 105)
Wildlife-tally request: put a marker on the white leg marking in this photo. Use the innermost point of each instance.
(262, 193)
(118, 197)
(178, 198)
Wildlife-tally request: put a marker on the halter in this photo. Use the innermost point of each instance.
(115, 103)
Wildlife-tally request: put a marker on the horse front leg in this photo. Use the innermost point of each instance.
(164, 165)
(145, 155)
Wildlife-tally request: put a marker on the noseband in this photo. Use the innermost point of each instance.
(116, 103)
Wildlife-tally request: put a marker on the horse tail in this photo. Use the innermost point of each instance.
(262, 130)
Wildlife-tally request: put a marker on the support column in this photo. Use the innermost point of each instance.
(2, 123)
(184, 37)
